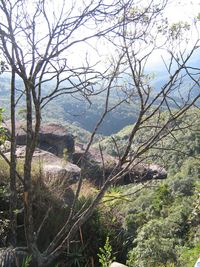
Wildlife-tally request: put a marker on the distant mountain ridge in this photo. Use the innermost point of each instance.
(78, 112)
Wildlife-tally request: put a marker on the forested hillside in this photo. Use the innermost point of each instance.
(75, 111)
(159, 221)
(170, 152)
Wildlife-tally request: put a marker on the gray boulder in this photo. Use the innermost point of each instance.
(55, 139)
(94, 167)
(141, 172)
(117, 264)
(53, 168)
(52, 137)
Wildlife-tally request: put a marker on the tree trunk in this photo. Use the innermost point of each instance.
(31, 142)
(28, 212)
(12, 240)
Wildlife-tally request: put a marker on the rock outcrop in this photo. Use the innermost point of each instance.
(54, 141)
(95, 166)
(52, 137)
(117, 264)
(53, 168)
(142, 172)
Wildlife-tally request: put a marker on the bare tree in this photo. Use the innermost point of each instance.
(37, 40)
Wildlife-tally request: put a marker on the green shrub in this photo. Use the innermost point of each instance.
(188, 255)
(153, 247)
(182, 186)
(105, 255)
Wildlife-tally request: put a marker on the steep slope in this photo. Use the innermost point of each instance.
(171, 151)
(159, 221)
(75, 110)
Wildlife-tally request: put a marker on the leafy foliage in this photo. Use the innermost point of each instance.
(105, 255)
(26, 261)
(2, 129)
(153, 246)
(4, 216)
(183, 145)
(161, 221)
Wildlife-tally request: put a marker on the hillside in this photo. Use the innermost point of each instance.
(159, 221)
(155, 223)
(76, 110)
(171, 152)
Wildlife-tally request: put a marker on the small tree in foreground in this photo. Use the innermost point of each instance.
(105, 255)
(37, 40)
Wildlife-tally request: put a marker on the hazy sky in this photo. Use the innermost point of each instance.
(176, 11)
(182, 10)
(185, 11)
